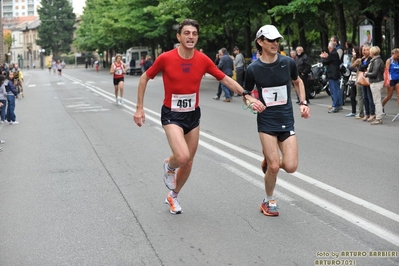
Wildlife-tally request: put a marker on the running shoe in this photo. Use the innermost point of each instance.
(263, 165)
(169, 177)
(174, 205)
(116, 100)
(269, 208)
(121, 101)
(2, 141)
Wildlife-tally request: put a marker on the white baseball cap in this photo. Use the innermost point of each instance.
(269, 31)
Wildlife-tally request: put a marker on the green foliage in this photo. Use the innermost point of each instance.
(55, 32)
(119, 24)
(8, 40)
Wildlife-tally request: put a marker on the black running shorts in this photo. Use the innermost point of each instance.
(393, 83)
(116, 81)
(186, 120)
(281, 136)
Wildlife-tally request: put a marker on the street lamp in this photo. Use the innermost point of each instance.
(41, 51)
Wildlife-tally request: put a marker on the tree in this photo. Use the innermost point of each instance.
(119, 24)
(8, 41)
(55, 32)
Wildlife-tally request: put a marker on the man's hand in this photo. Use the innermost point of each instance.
(305, 111)
(139, 117)
(256, 105)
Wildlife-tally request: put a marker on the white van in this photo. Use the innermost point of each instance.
(137, 54)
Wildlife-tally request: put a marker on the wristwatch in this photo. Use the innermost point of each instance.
(304, 103)
(245, 92)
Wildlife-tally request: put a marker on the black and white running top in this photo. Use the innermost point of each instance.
(273, 82)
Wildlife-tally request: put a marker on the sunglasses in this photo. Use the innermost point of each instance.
(272, 41)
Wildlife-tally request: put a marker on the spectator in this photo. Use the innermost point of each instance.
(338, 47)
(3, 100)
(304, 68)
(132, 66)
(142, 61)
(368, 102)
(349, 52)
(11, 95)
(281, 50)
(239, 63)
(356, 92)
(148, 62)
(217, 96)
(226, 64)
(332, 61)
(293, 54)
(375, 73)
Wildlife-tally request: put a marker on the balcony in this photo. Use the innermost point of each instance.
(7, 3)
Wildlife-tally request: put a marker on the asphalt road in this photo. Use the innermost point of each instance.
(81, 184)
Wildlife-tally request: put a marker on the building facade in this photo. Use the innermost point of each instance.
(22, 8)
(19, 8)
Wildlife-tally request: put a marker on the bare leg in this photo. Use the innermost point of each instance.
(389, 95)
(121, 85)
(183, 148)
(288, 161)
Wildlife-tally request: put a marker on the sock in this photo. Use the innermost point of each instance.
(173, 194)
(170, 168)
(268, 198)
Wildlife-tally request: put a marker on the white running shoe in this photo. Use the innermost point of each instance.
(169, 177)
(174, 205)
(121, 101)
(14, 122)
(116, 100)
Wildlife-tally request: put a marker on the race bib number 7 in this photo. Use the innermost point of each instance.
(275, 95)
(183, 102)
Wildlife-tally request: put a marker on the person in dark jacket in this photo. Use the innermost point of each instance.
(147, 63)
(11, 95)
(331, 60)
(304, 68)
(217, 96)
(226, 64)
(368, 102)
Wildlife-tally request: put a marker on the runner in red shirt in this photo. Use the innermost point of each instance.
(118, 69)
(182, 70)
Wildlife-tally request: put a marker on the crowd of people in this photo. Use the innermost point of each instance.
(11, 88)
